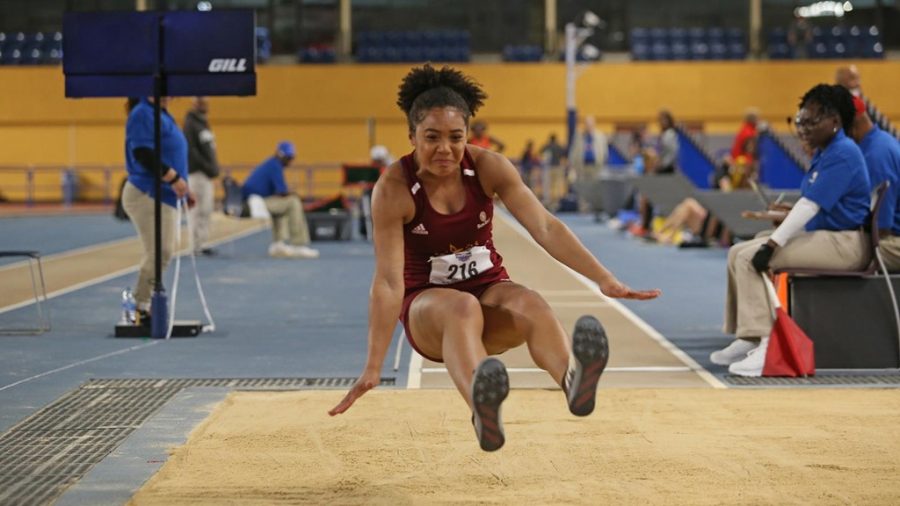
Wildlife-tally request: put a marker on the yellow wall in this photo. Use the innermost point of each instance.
(329, 110)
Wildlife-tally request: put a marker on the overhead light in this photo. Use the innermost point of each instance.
(204, 6)
(590, 52)
(591, 20)
(823, 9)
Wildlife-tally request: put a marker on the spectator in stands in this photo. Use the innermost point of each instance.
(436, 265)
(799, 36)
(290, 232)
(139, 192)
(703, 226)
(482, 139)
(666, 162)
(203, 168)
(587, 155)
(553, 154)
(746, 131)
(528, 162)
(821, 231)
(380, 155)
(882, 153)
(848, 77)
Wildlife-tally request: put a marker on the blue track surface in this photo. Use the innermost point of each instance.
(279, 317)
(49, 235)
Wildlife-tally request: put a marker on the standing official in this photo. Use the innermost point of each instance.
(203, 168)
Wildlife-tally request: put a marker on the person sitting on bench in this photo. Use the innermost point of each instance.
(290, 233)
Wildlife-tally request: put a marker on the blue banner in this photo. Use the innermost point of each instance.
(118, 54)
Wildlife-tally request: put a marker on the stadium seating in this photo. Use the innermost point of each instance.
(695, 43)
(39, 48)
(414, 46)
(833, 42)
(522, 53)
(317, 54)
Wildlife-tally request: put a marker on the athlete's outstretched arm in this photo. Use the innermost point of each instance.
(386, 294)
(552, 234)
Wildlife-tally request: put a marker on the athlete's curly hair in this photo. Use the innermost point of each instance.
(426, 87)
(833, 99)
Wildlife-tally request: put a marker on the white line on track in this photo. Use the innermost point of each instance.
(116, 274)
(80, 362)
(440, 370)
(653, 333)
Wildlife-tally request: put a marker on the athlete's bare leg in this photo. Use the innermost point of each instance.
(448, 324)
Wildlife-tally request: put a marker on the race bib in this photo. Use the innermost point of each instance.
(460, 266)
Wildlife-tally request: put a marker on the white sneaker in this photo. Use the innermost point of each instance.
(279, 250)
(732, 353)
(303, 252)
(752, 365)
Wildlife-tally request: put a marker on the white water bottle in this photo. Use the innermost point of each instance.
(129, 307)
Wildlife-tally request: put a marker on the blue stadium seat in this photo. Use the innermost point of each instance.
(639, 36)
(837, 50)
(640, 52)
(32, 56)
(677, 36)
(680, 51)
(413, 38)
(11, 57)
(818, 50)
(737, 51)
(873, 50)
(715, 35)
(434, 53)
(734, 36)
(696, 34)
(718, 50)
(659, 36)
(780, 51)
(777, 36)
(660, 51)
(413, 53)
(431, 38)
(700, 51)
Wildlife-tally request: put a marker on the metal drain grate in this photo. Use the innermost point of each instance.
(52, 449)
(820, 380)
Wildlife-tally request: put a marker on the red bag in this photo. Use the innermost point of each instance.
(790, 352)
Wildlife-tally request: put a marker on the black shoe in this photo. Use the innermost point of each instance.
(143, 318)
(694, 243)
(490, 386)
(590, 349)
(208, 252)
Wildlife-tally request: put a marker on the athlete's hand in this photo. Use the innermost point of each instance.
(618, 290)
(367, 381)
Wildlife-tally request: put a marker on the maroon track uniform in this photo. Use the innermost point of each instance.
(449, 250)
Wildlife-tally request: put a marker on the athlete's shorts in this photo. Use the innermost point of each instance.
(476, 290)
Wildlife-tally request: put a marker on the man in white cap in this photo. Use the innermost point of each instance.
(290, 233)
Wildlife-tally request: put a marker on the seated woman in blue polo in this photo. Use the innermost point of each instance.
(290, 232)
(823, 230)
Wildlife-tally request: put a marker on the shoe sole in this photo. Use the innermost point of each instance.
(490, 386)
(591, 350)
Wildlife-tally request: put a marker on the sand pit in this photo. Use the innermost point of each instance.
(687, 446)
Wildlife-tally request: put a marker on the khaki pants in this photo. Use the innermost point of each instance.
(205, 193)
(890, 252)
(747, 311)
(288, 220)
(139, 207)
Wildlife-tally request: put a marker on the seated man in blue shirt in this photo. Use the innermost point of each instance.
(290, 234)
(882, 153)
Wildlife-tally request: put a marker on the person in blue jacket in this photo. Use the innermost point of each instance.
(823, 230)
(290, 233)
(882, 153)
(140, 191)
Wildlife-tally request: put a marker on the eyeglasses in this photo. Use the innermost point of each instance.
(804, 124)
